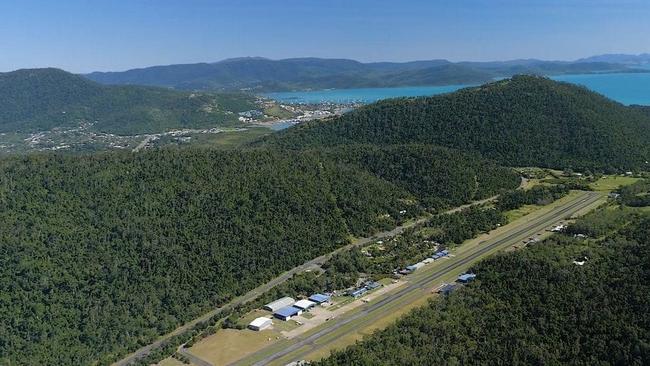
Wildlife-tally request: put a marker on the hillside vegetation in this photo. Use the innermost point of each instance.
(103, 253)
(42, 99)
(533, 307)
(261, 74)
(523, 121)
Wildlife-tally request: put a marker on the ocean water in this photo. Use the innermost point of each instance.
(362, 95)
(626, 88)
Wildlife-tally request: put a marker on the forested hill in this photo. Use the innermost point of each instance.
(523, 121)
(102, 253)
(262, 74)
(42, 99)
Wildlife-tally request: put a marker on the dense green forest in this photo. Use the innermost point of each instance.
(439, 177)
(533, 306)
(538, 195)
(41, 99)
(102, 253)
(637, 194)
(261, 74)
(523, 121)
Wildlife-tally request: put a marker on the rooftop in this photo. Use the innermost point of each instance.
(467, 277)
(288, 311)
(258, 322)
(319, 298)
(285, 301)
(304, 304)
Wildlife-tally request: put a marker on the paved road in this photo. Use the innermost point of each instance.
(313, 264)
(530, 228)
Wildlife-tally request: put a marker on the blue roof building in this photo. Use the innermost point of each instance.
(466, 277)
(319, 298)
(358, 292)
(287, 312)
(440, 254)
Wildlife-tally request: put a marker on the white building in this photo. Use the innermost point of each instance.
(304, 304)
(279, 304)
(260, 324)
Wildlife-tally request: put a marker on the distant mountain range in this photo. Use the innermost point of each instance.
(618, 58)
(261, 74)
(41, 99)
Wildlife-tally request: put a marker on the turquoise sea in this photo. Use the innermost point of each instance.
(363, 95)
(627, 88)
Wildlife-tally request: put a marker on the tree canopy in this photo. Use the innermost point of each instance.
(102, 253)
(42, 99)
(523, 121)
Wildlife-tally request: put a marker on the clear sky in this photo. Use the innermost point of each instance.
(89, 35)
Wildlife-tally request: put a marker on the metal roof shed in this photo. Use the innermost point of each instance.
(319, 298)
(279, 304)
(304, 304)
(260, 323)
(415, 266)
(358, 292)
(287, 312)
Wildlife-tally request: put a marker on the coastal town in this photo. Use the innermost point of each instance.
(279, 115)
(268, 115)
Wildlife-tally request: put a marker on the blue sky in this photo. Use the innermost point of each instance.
(88, 35)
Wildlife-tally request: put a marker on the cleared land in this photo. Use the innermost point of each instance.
(228, 345)
(318, 342)
(612, 182)
(170, 362)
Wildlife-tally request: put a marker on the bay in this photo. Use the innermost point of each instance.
(361, 95)
(626, 88)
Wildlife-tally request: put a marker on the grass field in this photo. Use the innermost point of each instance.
(170, 361)
(513, 215)
(530, 183)
(228, 345)
(518, 213)
(612, 182)
(278, 112)
(228, 140)
(340, 301)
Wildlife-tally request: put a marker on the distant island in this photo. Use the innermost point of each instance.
(619, 58)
